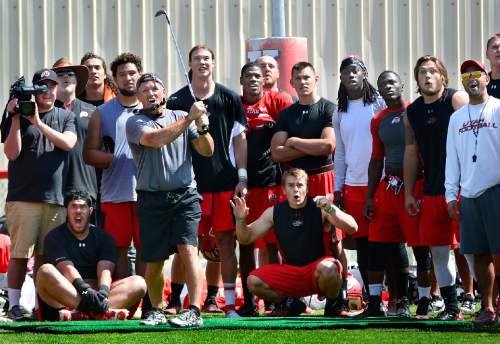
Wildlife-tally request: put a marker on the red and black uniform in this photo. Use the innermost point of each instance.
(308, 122)
(216, 176)
(263, 174)
(303, 245)
(430, 125)
(391, 222)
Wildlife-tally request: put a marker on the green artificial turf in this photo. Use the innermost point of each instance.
(380, 336)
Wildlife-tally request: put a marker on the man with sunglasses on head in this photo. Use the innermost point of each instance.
(472, 165)
(37, 147)
(71, 83)
(426, 126)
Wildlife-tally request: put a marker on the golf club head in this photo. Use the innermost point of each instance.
(162, 12)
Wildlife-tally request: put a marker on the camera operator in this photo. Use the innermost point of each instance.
(37, 146)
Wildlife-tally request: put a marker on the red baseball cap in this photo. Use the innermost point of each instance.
(473, 63)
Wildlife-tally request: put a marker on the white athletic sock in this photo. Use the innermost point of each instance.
(229, 293)
(424, 291)
(14, 297)
(444, 265)
(375, 289)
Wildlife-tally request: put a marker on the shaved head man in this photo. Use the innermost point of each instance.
(271, 71)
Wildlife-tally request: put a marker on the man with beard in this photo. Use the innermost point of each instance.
(426, 127)
(80, 261)
(168, 206)
(261, 110)
(37, 147)
(358, 103)
(71, 83)
(107, 129)
(218, 177)
(298, 222)
(100, 87)
(472, 165)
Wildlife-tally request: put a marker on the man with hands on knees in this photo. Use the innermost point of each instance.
(308, 266)
(80, 261)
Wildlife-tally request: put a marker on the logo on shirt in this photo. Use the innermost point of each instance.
(84, 114)
(475, 125)
(432, 120)
(305, 112)
(493, 87)
(81, 244)
(396, 120)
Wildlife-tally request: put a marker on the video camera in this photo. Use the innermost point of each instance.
(23, 93)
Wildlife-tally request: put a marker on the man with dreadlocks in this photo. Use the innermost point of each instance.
(358, 102)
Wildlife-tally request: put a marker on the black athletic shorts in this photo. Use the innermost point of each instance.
(167, 219)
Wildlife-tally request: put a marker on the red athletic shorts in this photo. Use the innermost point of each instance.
(436, 227)
(121, 223)
(354, 204)
(391, 222)
(321, 184)
(258, 200)
(294, 281)
(216, 212)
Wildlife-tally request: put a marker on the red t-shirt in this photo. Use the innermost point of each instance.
(4, 252)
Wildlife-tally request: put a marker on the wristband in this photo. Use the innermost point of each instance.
(330, 210)
(241, 219)
(203, 131)
(242, 175)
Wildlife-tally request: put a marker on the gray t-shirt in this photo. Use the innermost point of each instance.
(166, 168)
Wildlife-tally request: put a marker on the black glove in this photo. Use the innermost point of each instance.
(90, 301)
(103, 292)
(108, 143)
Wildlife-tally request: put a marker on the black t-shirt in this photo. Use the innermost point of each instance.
(61, 245)
(80, 175)
(299, 232)
(39, 173)
(430, 124)
(216, 173)
(307, 122)
(494, 87)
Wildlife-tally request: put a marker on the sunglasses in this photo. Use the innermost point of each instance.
(62, 73)
(473, 75)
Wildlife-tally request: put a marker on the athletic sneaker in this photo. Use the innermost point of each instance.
(290, 307)
(210, 306)
(231, 312)
(188, 318)
(248, 310)
(154, 317)
(392, 307)
(485, 317)
(437, 304)
(113, 314)
(18, 313)
(468, 305)
(336, 308)
(172, 307)
(403, 308)
(447, 315)
(423, 308)
(375, 307)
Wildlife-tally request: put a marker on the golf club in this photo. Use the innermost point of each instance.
(159, 13)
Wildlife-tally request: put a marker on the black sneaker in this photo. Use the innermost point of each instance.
(403, 308)
(336, 308)
(375, 307)
(154, 317)
(437, 304)
(248, 310)
(187, 318)
(18, 313)
(290, 307)
(423, 308)
(210, 306)
(447, 315)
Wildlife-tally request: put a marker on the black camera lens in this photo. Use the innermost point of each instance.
(27, 108)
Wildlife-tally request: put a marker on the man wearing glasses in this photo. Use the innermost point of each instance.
(37, 147)
(426, 125)
(71, 83)
(472, 164)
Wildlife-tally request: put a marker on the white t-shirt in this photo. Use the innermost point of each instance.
(473, 178)
(354, 142)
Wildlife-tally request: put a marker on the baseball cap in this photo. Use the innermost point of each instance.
(149, 77)
(473, 63)
(81, 72)
(44, 75)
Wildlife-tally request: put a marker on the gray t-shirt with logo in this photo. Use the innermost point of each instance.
(166, 168)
